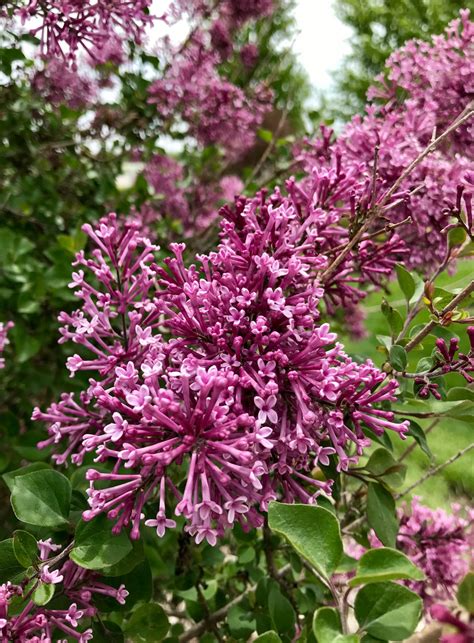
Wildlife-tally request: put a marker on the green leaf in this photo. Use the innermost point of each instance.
(465, 593)
(381, 514)
(393, 317)
(313, 531)
(241, 623)
(9, 477)
(42, 498)
(388, 611)
(382, 464)
(398, 357)
(148, 623)
(268, 637)
(456, 237)
(107, 632)
(406, 282)
(95, 545)
(378, 565)
(458, 393)
(266, 135)
(281, 611)
(25, 548)
(43, 593)
(9, 565)
(327, 627)
(415, 431)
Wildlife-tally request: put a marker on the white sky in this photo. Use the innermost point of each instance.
(323, 40)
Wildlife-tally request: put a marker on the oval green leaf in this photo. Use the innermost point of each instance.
(25, 548)
(147, 624)
(327, 627)
(312, 531)
(378, 565)
(381, 514)
(95, 545)
(42, 497)
(388, 611)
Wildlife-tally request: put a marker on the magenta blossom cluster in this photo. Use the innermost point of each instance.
(208, 103)
(65, 26)
(436, 82)
(216, 386)
(60, 85)
(438, 543)
(4, 328)
(176, 197)
(35, 624)
(464, 632)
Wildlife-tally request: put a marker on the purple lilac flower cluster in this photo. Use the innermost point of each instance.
(464, 632)
(438, 542)
(436, 82)
(65, 26)
(4, 328)
(218, 387)
(173, 196)
(60, 85)
(35, 624)
(209, 104)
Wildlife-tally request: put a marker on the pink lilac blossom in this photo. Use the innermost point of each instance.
(59, 84)
(216, 387)
(436, 82)
(4, 341)
(210, 105)
(464, 631)
(68, 25)
(34, 624)
(437, 542)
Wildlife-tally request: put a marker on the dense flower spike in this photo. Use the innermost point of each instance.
(4, 328)
(68, 25)
(434, 81)
(209, 104)
(217, 389)
(59, 84)
(438, 542)
(33, 623)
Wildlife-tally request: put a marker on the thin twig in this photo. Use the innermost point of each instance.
(378, 208)
(434, 470)
(447, 309)
(268, 149)
(219, 615)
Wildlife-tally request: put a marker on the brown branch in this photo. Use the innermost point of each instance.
(378, 208)
(447, 309)
(434, 470)
(219, 615)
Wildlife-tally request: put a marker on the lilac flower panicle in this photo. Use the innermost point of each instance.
(437, 542)
(435, 80)
(216, 387)
(35, 624)
(65, 26)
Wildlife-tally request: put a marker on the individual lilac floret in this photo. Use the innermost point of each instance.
(220, 375)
